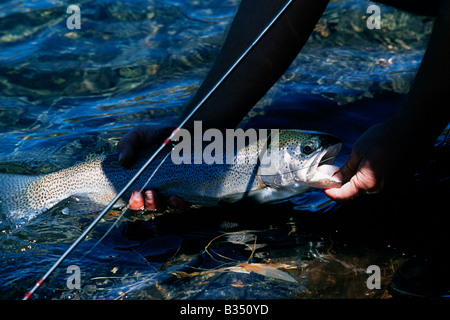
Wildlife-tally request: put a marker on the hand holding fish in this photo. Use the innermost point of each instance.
(423, 116)
(385, 155)
(369, 163)
(391, 145)
(139, 138)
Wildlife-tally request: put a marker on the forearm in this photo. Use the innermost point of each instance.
(427, 111)
(262, 67)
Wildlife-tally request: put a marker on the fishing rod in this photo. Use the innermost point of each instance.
(159, 150)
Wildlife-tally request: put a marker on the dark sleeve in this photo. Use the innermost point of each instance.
(264, 65)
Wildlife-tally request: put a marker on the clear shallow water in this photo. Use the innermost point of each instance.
(65, 94)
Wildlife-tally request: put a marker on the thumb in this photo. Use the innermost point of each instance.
(345, 174)
(349, 169)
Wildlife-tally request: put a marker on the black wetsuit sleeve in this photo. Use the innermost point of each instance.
(262, 67)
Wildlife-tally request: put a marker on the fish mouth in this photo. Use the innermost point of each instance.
(326, 159)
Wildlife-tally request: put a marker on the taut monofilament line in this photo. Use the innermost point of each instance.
(159, 150)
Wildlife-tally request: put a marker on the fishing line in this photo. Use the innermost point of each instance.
(159, 150)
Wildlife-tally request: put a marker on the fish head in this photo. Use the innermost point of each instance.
(298, 158)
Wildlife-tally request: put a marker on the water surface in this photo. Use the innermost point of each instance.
(66, 94)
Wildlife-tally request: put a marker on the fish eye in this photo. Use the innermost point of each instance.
(308, 147)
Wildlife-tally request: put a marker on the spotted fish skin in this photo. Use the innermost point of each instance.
(97, 181)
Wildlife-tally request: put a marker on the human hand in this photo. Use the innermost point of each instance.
(138, 139)
(375, 155)
(148, 200)
(129, 146)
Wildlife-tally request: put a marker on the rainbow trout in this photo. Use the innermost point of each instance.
(299, 160)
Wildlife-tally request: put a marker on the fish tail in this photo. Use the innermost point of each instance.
(15, 202)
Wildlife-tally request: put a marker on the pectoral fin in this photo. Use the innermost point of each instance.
(251, 197)
(85, 203)
(265, 195)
